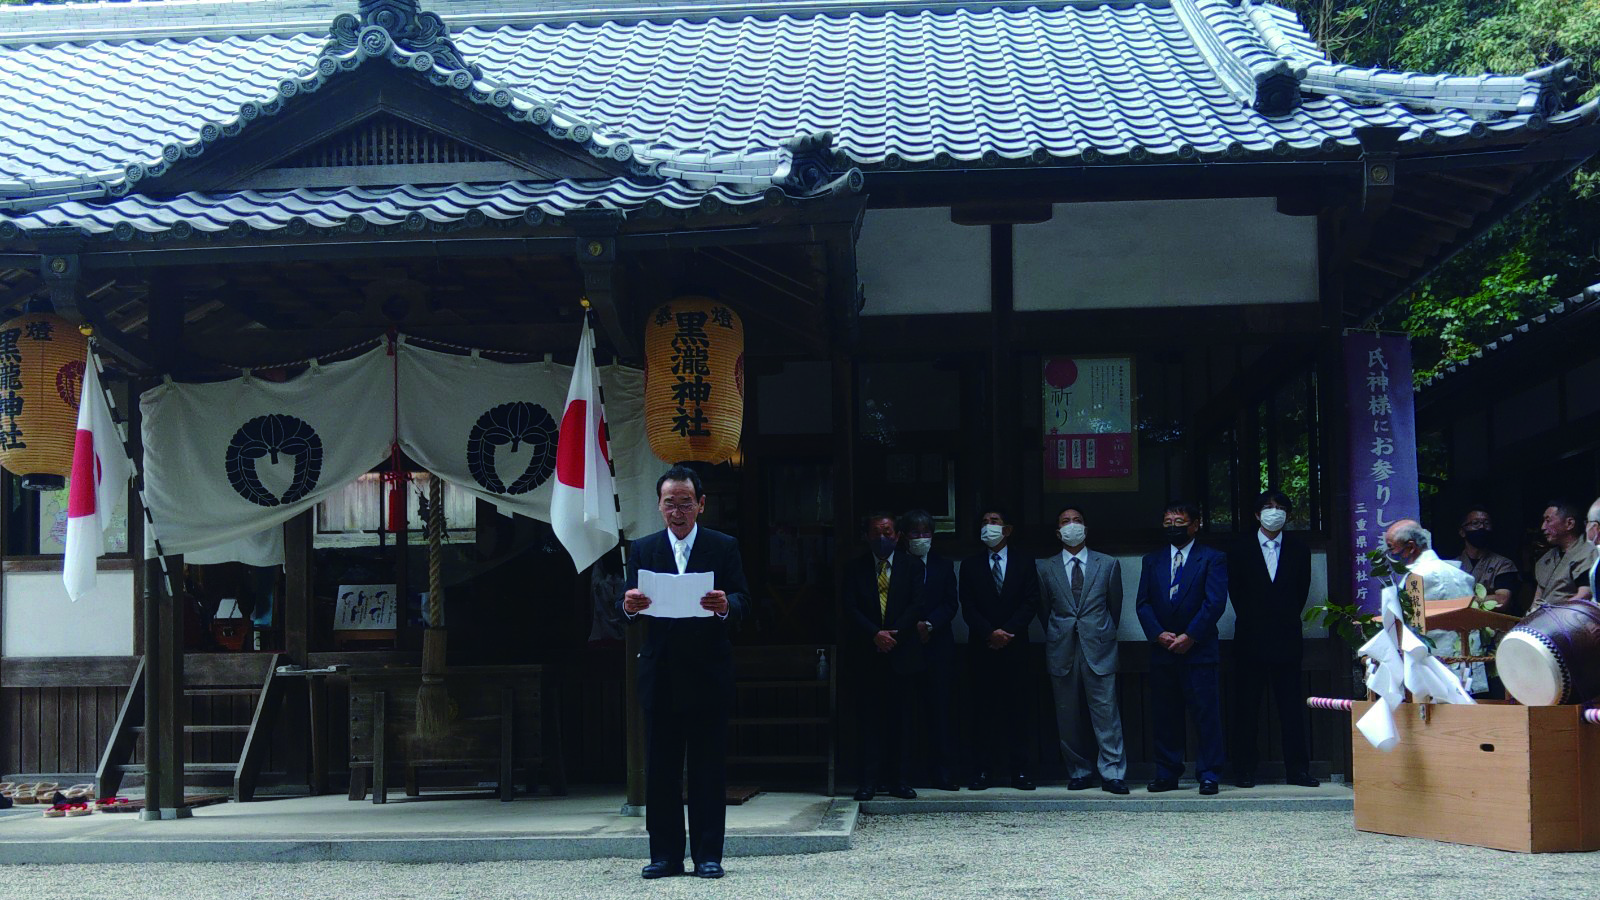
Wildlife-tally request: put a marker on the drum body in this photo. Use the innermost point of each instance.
(1553, 655)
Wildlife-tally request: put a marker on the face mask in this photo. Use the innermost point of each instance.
(1073, 533)
(1177, 535)
(1479, 538)
(1395, 562)
(920, 546)
(992, 535)
(882, 546)
(1273, 519)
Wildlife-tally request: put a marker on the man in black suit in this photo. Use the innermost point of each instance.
(1269, 579)
(1183, 590)
(686, 680)
(938, 645)
(883, 600)
(999, 596)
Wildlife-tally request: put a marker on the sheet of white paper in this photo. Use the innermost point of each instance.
(674, 596)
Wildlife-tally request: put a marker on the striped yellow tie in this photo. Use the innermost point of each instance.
(883, 590)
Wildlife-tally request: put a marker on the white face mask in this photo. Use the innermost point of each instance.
(992, 534)
(1273, 519)
(919, 547)
(1073, 533)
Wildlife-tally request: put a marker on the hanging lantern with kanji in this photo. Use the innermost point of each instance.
(41, 376)
(694, 380)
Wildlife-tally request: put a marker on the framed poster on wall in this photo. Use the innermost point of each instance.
(1089, 438)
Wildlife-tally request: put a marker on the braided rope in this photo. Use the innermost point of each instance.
(1333, 703)
(435, 551)
(1592, 715)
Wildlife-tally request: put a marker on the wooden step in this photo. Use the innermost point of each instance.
(202, 729)
(222, 692)
(187, 767)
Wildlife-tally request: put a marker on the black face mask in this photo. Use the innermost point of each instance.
(1177, 535)
(883, 546)
(1480, 538)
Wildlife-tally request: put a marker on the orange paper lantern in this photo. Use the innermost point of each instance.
(41, 376)
(694, 380)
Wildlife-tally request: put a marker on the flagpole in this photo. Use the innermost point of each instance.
(127, 449)
(633, 803)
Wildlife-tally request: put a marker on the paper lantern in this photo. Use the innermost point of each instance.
(694, 380)
(41, 375)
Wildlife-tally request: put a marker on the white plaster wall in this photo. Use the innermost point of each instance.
(918, 261)
(1128, 626)
(40, 620)
(1150, 253)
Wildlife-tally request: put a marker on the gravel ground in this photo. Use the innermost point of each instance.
(1104, 856)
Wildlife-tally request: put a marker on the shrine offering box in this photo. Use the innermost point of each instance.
(1523, 778)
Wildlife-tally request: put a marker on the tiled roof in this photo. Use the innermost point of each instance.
(383, 210)
(714, 99)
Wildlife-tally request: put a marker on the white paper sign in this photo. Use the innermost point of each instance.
(675, 596)
(366, 607)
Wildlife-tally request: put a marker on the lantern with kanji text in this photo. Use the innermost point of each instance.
(694, 380)
(41, 377)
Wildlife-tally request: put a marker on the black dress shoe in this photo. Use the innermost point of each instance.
(1161, 785)
(662, 868)
(1245, 782)
(864, 794)
(1208, 787)
(708, 870)
(1304, 780)
(1022, 782)
(980, 782)
(1082, 783)
(1114, 786)
(946, 785)
(903, 791)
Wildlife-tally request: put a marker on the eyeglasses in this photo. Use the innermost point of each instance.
(683, 506)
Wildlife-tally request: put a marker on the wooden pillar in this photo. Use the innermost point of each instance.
(297, 588)
(1004, 481)
(165, 709)
(295, 717)
(843, 306)
(1335, 435)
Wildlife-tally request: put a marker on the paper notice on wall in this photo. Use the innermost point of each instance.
(1088, 422)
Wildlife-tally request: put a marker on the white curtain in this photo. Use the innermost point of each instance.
(225, 464)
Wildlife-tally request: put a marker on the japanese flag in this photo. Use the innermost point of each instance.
(99, 487)
(583, 502)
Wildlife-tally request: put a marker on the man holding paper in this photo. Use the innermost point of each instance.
(685, 674)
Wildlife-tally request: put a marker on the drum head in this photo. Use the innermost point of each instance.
(1529, 670)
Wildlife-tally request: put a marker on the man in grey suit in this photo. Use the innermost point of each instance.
(1081, 604)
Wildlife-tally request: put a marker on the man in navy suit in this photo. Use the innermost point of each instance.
(999, 597)
(1182, 592)
(883, 603)
(938, 644)
(686, 680)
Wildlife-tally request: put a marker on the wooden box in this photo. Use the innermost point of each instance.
(1523, 778)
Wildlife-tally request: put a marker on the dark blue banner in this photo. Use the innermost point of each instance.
(1383, 448)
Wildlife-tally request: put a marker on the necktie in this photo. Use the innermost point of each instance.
(1272, 560)
(883, 590)
(680, 553)
(999, 577)
(1077, 578)
(1177, 567)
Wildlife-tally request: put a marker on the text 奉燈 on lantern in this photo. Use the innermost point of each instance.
(41, 376)
(694, 380)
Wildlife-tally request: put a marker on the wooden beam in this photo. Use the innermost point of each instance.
(1435, 214)
(597, 260)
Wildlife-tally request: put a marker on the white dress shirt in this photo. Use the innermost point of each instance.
(1271, 556)
(681, 550)
(988, 560)
(1082, 556)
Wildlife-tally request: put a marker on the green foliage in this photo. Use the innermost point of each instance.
(1549, 251)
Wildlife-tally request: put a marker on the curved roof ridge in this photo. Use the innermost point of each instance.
(1536, 94)
(1255, 75)
(420, 42)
